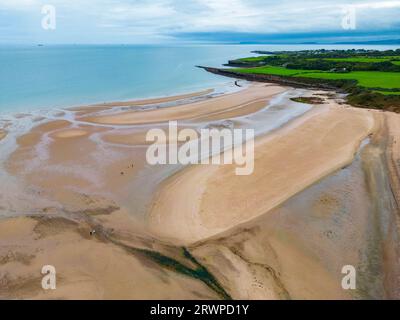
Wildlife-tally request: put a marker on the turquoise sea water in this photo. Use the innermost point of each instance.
(43, 77)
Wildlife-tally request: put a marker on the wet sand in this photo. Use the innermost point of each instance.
(266, 236)
(3, 134)
(87, 267)
(298, 249)
(393, 122)
(191, 111)
(141, 102)
(286, 162)
(82, 174)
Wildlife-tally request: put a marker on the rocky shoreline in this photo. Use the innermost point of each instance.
(285, 81)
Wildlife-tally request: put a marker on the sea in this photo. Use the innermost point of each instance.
(36, 77)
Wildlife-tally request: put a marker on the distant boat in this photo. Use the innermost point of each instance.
(40, 45)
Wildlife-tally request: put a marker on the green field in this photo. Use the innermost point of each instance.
(278, 71)
(388, 93)
(368, 79)
(364, 59)
(252, 59)
(361, 59)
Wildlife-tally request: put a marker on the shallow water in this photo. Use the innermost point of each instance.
(59, 76)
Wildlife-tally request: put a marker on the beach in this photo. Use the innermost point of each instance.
(287, 161)
(79, 194)
(3, 134)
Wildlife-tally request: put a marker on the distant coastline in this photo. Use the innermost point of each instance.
(370, 78)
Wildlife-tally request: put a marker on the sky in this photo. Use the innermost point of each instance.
(187, 21)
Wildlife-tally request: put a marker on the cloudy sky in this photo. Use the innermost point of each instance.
(174, 21)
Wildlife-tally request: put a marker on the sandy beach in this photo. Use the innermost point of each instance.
(286, 162)
(200, 231)
(196, 110)
(3, 134)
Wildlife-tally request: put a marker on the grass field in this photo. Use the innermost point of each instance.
(368, 79)
(278, 71)
(253, 59)
(362, 59)
(388, 93)
(371, 78)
